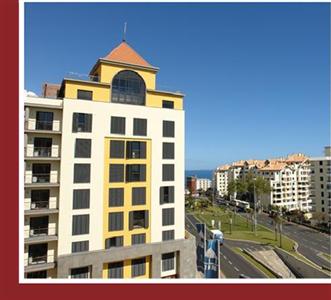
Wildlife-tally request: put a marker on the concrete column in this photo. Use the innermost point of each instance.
(97, 270)
(156, 265)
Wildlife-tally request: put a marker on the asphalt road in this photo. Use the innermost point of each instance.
(311, 243)
(232, 264)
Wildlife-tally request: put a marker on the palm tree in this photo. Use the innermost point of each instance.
(278, 221)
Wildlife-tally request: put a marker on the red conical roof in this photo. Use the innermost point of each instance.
(125, 54)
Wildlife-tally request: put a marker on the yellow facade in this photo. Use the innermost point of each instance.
(127, 207)
(127, 265)
(102, 90)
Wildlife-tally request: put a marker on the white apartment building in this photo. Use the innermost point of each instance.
(91, 154)
(320, 172)
(203, 184)
(288, 177)
(221, 179)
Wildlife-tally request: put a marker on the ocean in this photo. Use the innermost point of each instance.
(199, 173)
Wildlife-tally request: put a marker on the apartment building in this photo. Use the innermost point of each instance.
(203, 184)
(221, 179)
(104, 184)
(191, 184)
(320, 170)
(288, 178)
(289, 181)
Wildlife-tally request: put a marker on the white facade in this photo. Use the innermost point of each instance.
(320, 168)
(203, 184)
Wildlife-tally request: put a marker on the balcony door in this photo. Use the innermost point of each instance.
(39, 199)
(38, 253)
(42, 147)
(44, 120)
(41, 172)
(39, 226)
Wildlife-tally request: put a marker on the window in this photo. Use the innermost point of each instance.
(115, 270)
(135, 173)
(116, 173)
(321, 178)
(80, 224)
(138, 196)
(41, 173)
(167, 104)
(39, 199)
(138, 219)
(39, 226)
(321, 162)
(116, 241)
(321, 170)
(168, 235)
(83, 148)
(168, 172)
(138, 267)
(168, 261)
(168, 216)
(136, 150)
(140, 127)
(116, 197)
(83, 272)
(38, 274)
(44, 120)
(79, 246)
(42, 147)
(129, 88)
(322, 194)
(84, 95)
(116, 149)
(81, 199)
(167, 194)
(168, 129)
(117, 125)
(322, 186)
(82, 122)
(168, 151)
(115, 221)
(138, 239)
(82, 173)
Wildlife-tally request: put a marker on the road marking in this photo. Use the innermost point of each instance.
(325, 248)
(230, 262)
(224, 256)
(236, 269)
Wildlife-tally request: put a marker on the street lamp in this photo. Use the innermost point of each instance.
(254, 207)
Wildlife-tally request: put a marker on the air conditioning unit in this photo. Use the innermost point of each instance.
(34, 179)
(33, 205)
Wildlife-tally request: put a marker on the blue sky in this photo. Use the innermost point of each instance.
(256, 76)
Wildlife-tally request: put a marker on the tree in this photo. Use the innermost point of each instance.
(320, 217)
(278, 222)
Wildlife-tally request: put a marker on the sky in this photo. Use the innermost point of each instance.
(256, 76)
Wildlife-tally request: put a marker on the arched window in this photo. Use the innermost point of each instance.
(128, 87)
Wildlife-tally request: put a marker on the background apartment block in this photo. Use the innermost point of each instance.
(203, 184)
(320, 170)
(104, 176)
(289, 180)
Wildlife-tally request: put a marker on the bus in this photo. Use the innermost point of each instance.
(240, 204)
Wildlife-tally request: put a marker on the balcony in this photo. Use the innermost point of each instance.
(36, 126)
(41, 153)
(35, 263)
(42, 175)
(40, 207)
(38, 234)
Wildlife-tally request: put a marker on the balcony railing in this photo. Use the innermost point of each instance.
(44, 125)
(41, 178)
(42, 151)
(35, 260)
(42, 204)
(41, 231)
(84, 77)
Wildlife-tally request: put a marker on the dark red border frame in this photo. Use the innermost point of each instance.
(11, 289)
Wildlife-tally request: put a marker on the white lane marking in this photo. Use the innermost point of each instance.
(224, 256)
(325, 248)
(230, 262)
(236, 269)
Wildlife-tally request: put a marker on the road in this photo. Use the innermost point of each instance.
(232, 264)
(311, 243)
